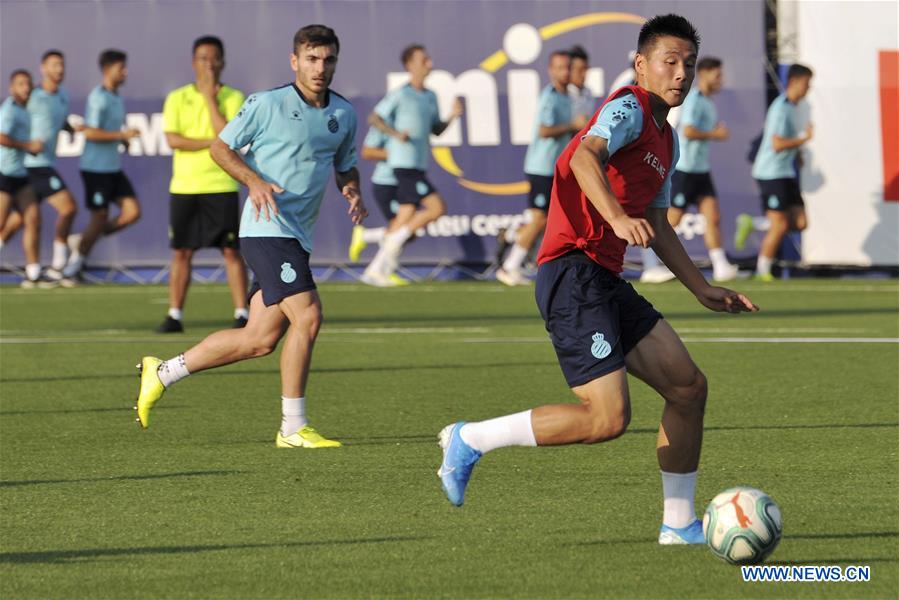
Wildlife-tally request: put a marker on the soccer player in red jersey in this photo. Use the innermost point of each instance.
(611, 189)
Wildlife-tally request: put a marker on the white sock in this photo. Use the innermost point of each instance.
(176, 313)
(679, 490)
(719, 259)
(761, 223)
(60, 254)
(76, 261)
(650, 260)
(516, 258)
(293, 415)
(241, 313)
(763, 266)
(378, 264)
(511, 430)
(173, 370)
(375, 235)
(511, 235)
(33, 271)
(399, 236)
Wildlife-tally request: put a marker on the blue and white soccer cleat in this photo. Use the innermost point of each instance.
(458, 460)
(691, 534)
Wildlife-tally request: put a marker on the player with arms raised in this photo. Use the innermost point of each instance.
(296, 134)
(611, 190)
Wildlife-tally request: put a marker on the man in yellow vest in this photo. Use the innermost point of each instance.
(204, 205)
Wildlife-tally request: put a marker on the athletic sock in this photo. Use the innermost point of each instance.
(511, 430)
(516, 258)
(650, 260)
(399, 236)
(375, 235)
(377, 265)
(33, 271)
(761, 223)
(763, 266)
(293, 415)
(511, 235)
(173, 370)
(76, 261)
(60, 254)
(176, 313)
(719, 259)
(679, 490)
(241, 313)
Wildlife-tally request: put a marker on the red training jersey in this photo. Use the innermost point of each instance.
(636, 173)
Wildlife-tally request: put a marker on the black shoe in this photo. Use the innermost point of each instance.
(170, 325)
(240, 322)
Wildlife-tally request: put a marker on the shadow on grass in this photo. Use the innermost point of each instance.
(844, 536)
(66, 411)
(4, 484)
(74, 556)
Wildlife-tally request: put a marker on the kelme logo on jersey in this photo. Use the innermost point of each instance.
(333, 125)
(600, 348)
(288, 275)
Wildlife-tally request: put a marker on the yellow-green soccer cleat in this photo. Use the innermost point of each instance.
(766, 277)
(151, 389)
(307, 437)
(744, 229)
(397, 280)
(357, 244)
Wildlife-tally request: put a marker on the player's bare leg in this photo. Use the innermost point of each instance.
(603, 413)
(675, 215)
(526, 238)
(530, 231)
(236, 274)
(64, 205)
(722, 270)
(31, 225)
(798, 218)
(779, 226)
(432, 208)
(129, 213)
(10, 220)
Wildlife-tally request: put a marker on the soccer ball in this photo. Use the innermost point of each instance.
(742, 525)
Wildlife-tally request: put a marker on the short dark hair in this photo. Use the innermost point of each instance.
(671, 24)
(556, 53)
(798, 70)
(708, 63)
(315, 35)
(408, 51)
(49, 53)
(208, 40)
(578, 52)
(18, 72)
(111, 57)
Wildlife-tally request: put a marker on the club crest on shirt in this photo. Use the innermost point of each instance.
(295, 115)
(333, 125)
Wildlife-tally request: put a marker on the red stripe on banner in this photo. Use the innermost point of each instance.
(889, 122)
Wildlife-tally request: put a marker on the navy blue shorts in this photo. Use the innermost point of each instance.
(280, 267)
(412, 186)
(780, 194)
(541, 189)
(102, 189)
(386, 198)
(12, 185)
(594, 318)
(689, 188)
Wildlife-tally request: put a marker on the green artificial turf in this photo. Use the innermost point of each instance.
(202, 505)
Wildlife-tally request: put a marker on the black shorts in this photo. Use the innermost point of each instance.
(102, 189)
(12, 185)
(386, 197)
(204, 220)
(689, 188)
(594, 318)
(541, 190)
(412, 185)
(780, 194)
(45, 181)
(280, 267)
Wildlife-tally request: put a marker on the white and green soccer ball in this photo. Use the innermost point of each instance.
(742, 525)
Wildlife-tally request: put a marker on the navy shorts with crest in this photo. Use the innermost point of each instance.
(280, 267)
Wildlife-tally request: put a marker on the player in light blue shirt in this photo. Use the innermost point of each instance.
(408, 116)
(692, 183)
(553, 128)
(101, 164)
(296, 135)
(774, 170)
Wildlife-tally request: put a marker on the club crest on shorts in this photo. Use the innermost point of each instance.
(288, 275)
(600, 348)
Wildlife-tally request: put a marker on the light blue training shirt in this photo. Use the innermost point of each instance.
(698, 111)
(553, 108)
(415, 112)
(48, 116)
(383, 173)
(104, 110)
(295, 146)
(620, 122)
(781, 120)
(14, 122)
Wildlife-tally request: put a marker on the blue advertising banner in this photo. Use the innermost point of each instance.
(490, 54)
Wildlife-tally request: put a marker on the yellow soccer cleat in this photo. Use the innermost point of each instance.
(357, 244)
(307, 437)
(766, 277)
(397, 280)
(151, 389)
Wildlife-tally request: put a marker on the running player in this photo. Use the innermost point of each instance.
(296, 134)
(409, 116)
(775, 172)
(611, 190)
(101, 164)
(16, 194)
(203, 208)
(692, 182)
(552, 130)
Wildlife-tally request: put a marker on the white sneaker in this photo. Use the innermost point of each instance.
(376, 280)
(725, 273)
(659, 274)
(511, 278)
